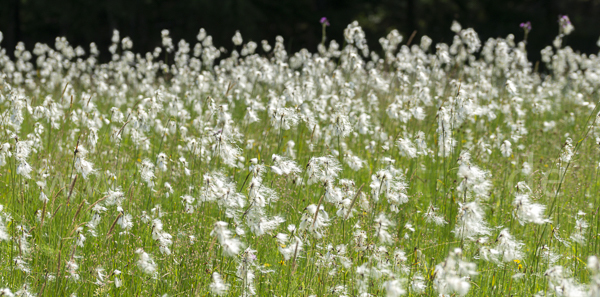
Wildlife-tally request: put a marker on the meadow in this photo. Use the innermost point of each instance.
(413, 169)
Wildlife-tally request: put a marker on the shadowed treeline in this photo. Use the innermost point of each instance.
(84, 21)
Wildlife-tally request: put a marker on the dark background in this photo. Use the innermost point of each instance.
(85, 21)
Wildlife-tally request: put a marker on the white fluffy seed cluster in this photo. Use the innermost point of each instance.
(414, 169)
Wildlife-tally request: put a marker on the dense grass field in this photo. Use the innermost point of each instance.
(413, 169)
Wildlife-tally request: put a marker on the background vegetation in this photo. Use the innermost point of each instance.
(88, 21)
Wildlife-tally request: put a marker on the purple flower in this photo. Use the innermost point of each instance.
(566, 27)
(324, 21)
(564, 20)
(526, 26)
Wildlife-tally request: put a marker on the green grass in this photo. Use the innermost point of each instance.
(432, 178)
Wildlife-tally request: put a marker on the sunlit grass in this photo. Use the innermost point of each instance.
(428, 171)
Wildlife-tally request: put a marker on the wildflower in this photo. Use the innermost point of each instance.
(593, 265)
(114, 197)
(218, 286)
(474, 181)
(323, 169)
(231, 246)
(456, 27)
(23, 243)
(81, 238)
(169, 189)
(355, 163)
(237, 38)
(290, 149)
(289, 248)
(526, 170)
(565, 25)
(245, 271)
(506, 149)
(360, 238)
(83, 166)
(391, 183)
(100, 276)
(22, 264)
(394, 288)
(265, 45)
(312, 223)
(426, 42)
(147, 173)
(6, 292)
(284, 118)
(381, 225)
(161, 237)
(471, 39)
(526, 26)
(146, 263)
(470, 222)
(201, 34)
(432, 217)
(561, 284)
(188, 200)
(22, 153)
(548, 256)
(125, 221)
(259, 194)
(4, 152)
(579, 234)
(284, 166)
(567, 152)
(161, 162)
(527, 212)
(453, 274)
(417, 284)
(260, 224)
(509, 247)
(363, 123)
(43, 197)
(167, 42)
(23, 292)
(407, 148)
(97, 210)
(225, 148)
(117, 280)
(341, 125)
